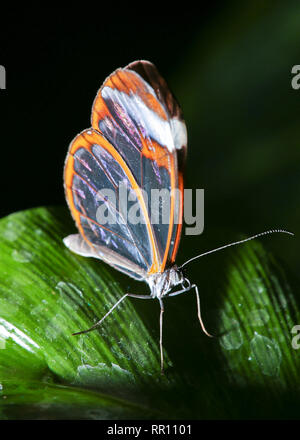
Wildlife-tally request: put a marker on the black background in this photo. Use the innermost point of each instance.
(55, 62)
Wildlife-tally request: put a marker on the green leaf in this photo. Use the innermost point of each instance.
(47, 292)
(257, 340)
(44, 400)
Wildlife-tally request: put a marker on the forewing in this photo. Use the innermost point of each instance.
(138, 115)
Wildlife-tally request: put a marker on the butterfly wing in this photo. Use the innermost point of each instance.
(151, 75)
(138, 115)
(138, 138)
(93, 167)
(80, 246)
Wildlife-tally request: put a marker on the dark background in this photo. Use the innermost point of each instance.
(229, 66)
(55, 63)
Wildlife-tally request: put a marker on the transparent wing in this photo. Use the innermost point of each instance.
(138, 115)
(77, 244)
(93, 168)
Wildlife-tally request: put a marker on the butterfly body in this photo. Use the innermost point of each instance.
(161, 284)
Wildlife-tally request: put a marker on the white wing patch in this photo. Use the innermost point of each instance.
(154, 126)
(179, 133)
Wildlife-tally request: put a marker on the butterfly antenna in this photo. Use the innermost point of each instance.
(271, 231)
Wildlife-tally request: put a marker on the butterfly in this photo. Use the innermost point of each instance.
(138, 137)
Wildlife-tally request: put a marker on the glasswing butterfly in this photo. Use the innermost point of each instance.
(138, 137)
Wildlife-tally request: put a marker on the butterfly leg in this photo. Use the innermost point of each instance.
(193, 286)
(109, 312)
(160, 336)
(133, 295)
(199, 312)
(179, 291)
